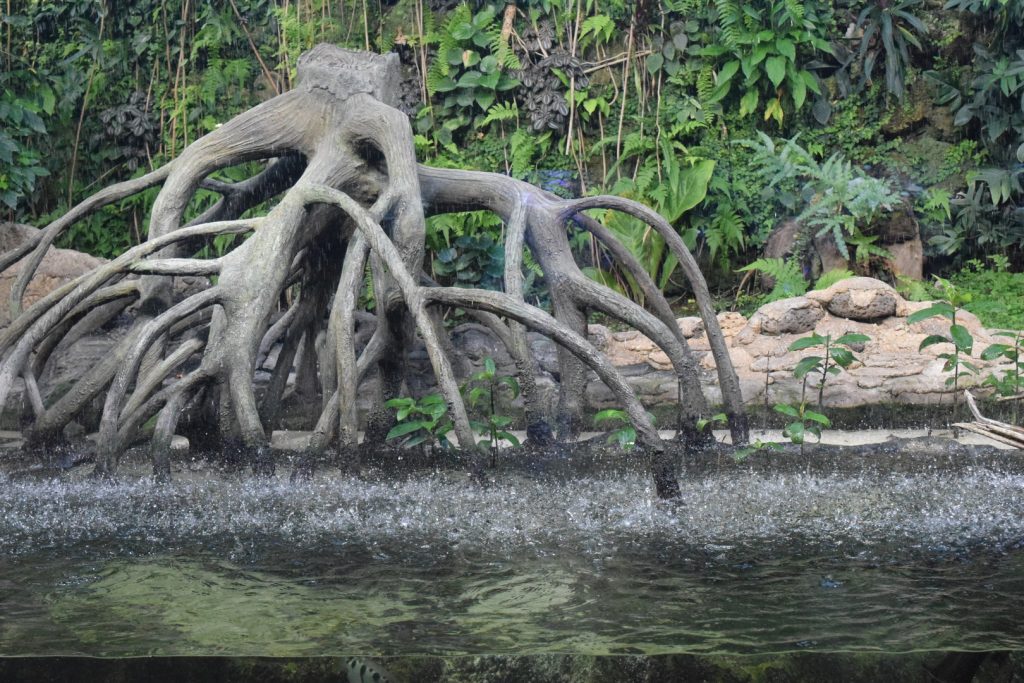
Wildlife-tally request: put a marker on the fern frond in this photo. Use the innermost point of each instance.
(705, 83)
(788, 276)
(501, 111)
(730, 21)
(502, 50)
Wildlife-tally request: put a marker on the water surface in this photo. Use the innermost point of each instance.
(431, 564)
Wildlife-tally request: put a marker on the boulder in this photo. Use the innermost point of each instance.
(57, 268)
(795, 315)
(691, 327)
(907, 259)
(859, 298)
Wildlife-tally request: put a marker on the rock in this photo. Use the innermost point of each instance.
(13, 235)
(691, 327)
(731, 322)
(58, 267)
(599, 335)
(828, 255)
(476, 342)
(795, 315)
(779, 245)
(898, 226)
(859, 298)
(907, 259)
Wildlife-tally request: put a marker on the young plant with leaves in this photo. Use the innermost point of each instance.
(622, 434)
(481, 392)
(420, 421)
(1009, 385)
(958, 336)
(837, 355)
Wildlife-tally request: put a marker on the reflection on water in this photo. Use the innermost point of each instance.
(430, 565)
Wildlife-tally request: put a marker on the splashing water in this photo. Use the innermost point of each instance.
(748, 563)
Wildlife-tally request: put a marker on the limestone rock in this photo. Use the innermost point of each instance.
(859, 298)
(787, 316)
(691, 327)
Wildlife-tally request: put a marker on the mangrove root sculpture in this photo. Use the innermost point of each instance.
(349, 196)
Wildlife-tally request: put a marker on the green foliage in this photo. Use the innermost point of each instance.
(757, 447)
(469, 72)
(716, 420)
(958, 336)
(481, 393)
(837, 198)
(890, 29)
(787, 275)
(152, 77)
(831, 277)
(473, 261)
(673, 185)
(761, 55)
(837, 355)
(24, 100)
(622, 432)
(996, 295)
(1010, 383)
(421, 421)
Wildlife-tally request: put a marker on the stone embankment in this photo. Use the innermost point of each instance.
(890, 369)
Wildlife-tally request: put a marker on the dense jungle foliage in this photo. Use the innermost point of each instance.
(728, 117)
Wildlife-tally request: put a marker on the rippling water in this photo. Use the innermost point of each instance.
(750, 563)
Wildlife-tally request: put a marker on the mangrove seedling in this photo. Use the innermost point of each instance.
(1010, 385)
(958, 335)
(421, 421)
(838, 355)
(482, 390)
(716, 420)
(743, 453)
(623, 434)
(834, 359)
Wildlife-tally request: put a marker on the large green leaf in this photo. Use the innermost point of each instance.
(775, 67)
(787, 410)
(853, 338)
(961, 338)
(404, 428)
(933, 339)
(691, 187)
(806, 365)
(802, 343)
(817, 417)
(938, 309)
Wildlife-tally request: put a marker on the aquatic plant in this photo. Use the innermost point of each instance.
(420, 421)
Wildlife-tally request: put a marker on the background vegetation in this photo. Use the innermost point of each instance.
(726, 116)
